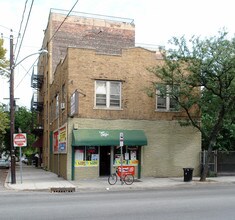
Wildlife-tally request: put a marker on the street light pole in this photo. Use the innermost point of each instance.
(12, 105)
(12, 111)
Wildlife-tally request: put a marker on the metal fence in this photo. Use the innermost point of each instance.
(221, 162)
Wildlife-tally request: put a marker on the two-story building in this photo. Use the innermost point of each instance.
(92, 89)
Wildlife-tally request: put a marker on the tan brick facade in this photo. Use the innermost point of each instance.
(105, 34)
(170, 147)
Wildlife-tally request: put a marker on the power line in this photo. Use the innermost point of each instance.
(26, 73)
(22, 19)
(26, 25)
(63, 21)
(6, 27)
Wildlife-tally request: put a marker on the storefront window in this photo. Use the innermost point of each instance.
(86, 156)
(130, 156)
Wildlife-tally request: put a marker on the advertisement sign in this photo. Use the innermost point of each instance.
(80, 162)
(60, 140)
(88, 163)
(126, 170)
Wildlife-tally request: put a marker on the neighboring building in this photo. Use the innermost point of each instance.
(91, 88)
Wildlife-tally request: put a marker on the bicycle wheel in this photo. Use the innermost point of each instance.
(112, 179)
(129, 179)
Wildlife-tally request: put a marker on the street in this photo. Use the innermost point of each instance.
(208, 201)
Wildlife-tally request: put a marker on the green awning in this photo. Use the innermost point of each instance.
(100, 137)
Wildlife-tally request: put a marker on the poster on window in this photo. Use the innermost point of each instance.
(60, 140)
(133, 155)
(79, 154)
(94, 157)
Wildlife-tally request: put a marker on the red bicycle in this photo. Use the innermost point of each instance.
(125, 175)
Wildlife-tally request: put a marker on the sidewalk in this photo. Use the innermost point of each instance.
(37, 179)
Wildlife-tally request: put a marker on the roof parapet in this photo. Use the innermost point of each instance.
(95, 16)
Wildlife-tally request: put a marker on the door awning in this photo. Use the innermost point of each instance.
(99, 137)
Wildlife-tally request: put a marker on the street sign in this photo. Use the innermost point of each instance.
(20, 140)
(121, 139)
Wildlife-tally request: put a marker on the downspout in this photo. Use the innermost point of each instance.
(73, 161)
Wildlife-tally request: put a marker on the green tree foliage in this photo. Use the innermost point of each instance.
(205, 71)
(2, 50)
(23, 122)
(3, 62)
(4, 125)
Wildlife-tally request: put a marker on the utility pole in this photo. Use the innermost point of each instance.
(12, 111)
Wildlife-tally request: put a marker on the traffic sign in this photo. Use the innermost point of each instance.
(20, 140)
(121, 139)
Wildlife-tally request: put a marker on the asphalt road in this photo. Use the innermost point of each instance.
(194, 202)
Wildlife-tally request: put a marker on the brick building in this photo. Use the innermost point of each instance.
(91, 87)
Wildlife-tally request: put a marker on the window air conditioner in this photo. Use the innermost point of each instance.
(62, 106)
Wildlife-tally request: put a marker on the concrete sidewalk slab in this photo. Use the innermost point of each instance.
(41, 180)
(36, 179)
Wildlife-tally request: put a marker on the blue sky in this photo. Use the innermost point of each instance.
(156, 22)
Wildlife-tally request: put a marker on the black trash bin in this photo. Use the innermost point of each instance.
(188, 174)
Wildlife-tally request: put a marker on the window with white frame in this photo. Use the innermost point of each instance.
(164, 96)
(107, 94)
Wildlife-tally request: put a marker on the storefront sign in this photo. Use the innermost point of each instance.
(83, 163)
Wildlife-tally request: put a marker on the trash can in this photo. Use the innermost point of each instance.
(188, 174)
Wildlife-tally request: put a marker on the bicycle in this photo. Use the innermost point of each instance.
(126, 177)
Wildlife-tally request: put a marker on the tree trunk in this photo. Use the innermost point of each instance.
(212, 141)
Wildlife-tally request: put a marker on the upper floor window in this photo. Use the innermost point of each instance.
(107, 94)
(164, 96)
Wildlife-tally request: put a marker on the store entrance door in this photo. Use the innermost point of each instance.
(105, 161)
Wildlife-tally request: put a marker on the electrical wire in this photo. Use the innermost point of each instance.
(5, 27)
(21, 23)
(48, 41)
(26, 25)
(62, 22)
(27, 73)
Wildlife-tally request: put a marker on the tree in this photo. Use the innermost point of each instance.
(4, 125)
(4, 119)
(3, 62)
(23, 122)
(205, 72)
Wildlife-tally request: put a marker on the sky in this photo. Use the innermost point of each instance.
(156, 22)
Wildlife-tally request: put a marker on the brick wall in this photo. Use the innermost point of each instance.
(86, 173)
(104, 36)
(170, 147)
(85, 66)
